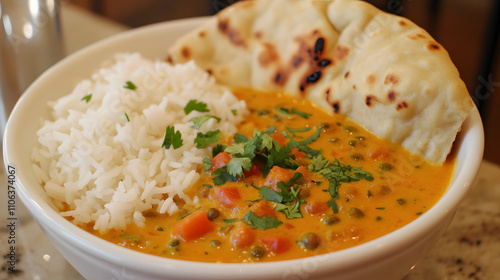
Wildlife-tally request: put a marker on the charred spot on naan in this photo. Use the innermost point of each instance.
(369, 99)
(416, 36)
(268, 55)
(402, 105)
(391, 96)
(391, 79)
(186, 53)
(233, 34)
(313, 56)
(433, 46)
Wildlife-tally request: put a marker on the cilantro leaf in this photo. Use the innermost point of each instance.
(87, 98)
(222, 176)
(295, 130)
(240, 138)
(236, 166)
(207, 163)
(218, 149)
(292, 211)
(194, 105)
(302, 114)
(333, 204)
(261, 223)
(270, 195)
(203, 140)
(228, 223)
(295, 144)
(172, 138)
(335, 173)
(198, 121)
(234, 111)
(130, 85)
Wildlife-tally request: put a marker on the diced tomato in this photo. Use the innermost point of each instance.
(315, 207)
(306, 174)
(193, 226)
(220, 160)
(243, 236)
(261, 209)
(277, 244)
(227, 196)
(297, 153)
(380, 153)
(253, 172)
(278, 174)
(280, 138)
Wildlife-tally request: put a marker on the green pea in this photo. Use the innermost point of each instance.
(257, 252)
(385, 166)
(401, 201)
(355, 213)
(173, 243)
(212, 214)
(357, 156)
(309, 240)
(330, 219)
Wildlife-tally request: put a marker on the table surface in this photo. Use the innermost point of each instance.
(470, 249)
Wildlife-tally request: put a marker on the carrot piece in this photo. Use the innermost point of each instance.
(243, 236)
(297, 153)
(278, 174)
(227, 196)
(254, 171)
(280, 138)
(380, 153)
(193, 226)
(277, 244)
(316, 207)
(220, 160)
(261, 209)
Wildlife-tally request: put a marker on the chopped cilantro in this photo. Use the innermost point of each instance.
(207, 186)
(207, 163)
(202, 140)
(87, 98)
(126, 116)
(187, 214)
(292, 211)
(134, 239)
(240, 138)
(172, 138)
(218, 149)
(194, 105)
(222, 176)
(228, 223)
(295, 130)
(235, 113)
(261, 223)
(130, 85)
(335, 173)
(302, 114)
(236, 166)
(198, 121)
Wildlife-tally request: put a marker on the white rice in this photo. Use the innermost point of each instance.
(98, 167)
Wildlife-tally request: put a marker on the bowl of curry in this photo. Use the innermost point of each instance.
(295, 193)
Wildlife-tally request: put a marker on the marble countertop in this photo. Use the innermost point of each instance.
(470, 249)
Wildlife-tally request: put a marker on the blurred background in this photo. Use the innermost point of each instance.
(468, 29)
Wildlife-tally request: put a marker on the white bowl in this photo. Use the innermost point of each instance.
(389, 257)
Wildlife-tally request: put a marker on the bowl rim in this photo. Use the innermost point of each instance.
(381, 247)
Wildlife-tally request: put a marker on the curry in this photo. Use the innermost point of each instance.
(294, 182)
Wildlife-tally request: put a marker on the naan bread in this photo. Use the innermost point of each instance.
(382, 70)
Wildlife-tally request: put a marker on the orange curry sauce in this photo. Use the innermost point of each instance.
(215, 230)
